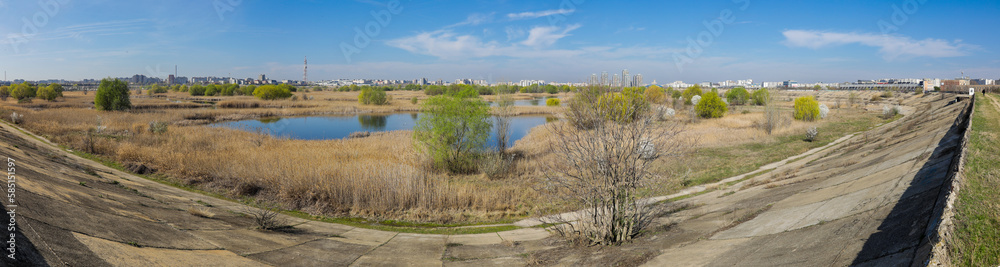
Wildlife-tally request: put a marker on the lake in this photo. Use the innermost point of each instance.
(540, 101)
(339, 127)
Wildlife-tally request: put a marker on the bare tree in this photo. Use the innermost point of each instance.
(602, 169)
(504, 111)
(772, 116)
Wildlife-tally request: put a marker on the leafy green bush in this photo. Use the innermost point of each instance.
(413, 100)
(453, 129)
(553, 102)
(112, 94)
(434, 90)
(655, 95)
(760, 97)
(623, 107)
(23, 91)
(4, 92)
(738, 96)
(551, 89)
(247, 90)
(48, 93)
(691, 92)
(272, 92)
(230, 89)
(373, 96)
(211, 90)
(806, 108)
(711, 106)
(197, 90)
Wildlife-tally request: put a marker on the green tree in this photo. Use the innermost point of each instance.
(761, 97)
(272, 92)
(197, 90)
(453, 128)
(4, 92)
(737, 96)
(551, 89)
(654, 94)
(691, 92)
(49, 93)
(711, 106)
(23, 91)
(58, 88)
(211, 90)
(112, 94)
(247, 90)
(806, 108)
(623, 107)
(373, 96)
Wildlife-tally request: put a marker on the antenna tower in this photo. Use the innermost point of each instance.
(305, 71)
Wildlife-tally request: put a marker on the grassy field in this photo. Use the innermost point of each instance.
(976, 240)
(380, 180)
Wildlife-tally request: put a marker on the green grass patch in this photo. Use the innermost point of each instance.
(711, 165)
(977, 214)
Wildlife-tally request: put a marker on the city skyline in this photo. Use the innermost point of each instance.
(563, 41)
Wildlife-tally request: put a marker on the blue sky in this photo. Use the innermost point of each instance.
(558, 40)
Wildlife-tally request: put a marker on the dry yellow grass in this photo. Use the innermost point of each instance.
(378, 177)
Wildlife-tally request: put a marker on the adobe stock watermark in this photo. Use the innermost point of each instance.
(363, 37)
(900, 15)
(225, 6)
(30, 28)
(564, 5)
(11, 240)
(713, 29)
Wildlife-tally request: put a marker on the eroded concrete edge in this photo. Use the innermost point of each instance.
(933, 250)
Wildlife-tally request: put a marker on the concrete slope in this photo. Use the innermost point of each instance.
(74, 212)
(865, 202)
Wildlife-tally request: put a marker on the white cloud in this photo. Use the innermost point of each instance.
(547, 35)
(474, 19)
(539, 14)
(890, 46)
(446, 44)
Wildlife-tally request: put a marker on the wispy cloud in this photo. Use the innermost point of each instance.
(474, 19)
(82, 31)
(446, 44)
(890, 46)
(539, 14)
(547, 35)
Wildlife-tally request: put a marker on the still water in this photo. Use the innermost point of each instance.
(539, 101)
(339, 127)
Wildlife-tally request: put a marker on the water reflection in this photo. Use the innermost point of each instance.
(373, 122)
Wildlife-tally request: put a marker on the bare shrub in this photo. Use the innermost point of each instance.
(889, 112)
(157, 127)
(772, 117)
(602, 170)
(265, 216)
(852, 100)
(496, 165)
